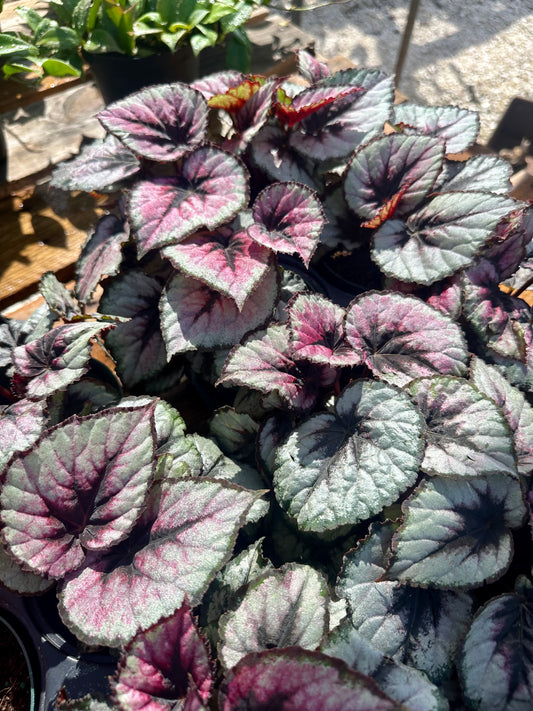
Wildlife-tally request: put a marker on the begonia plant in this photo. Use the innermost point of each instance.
(287, 462)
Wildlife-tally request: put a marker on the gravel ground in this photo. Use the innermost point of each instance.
(477, 54)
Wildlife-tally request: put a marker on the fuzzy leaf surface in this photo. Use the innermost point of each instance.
(80, 488)
(403, 338)
(344, 467)
(184, 537)
(283, 608)
(484, 172)
(441, 238)
(20, 426)
(456, 533)
(458, 128)
(466, 434)
(496, 664)
(211, 189)
(293, 679)
(161, 122)
(165, 666)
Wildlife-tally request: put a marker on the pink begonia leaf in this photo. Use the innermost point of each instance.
(251, 118)
(20, 426)
(101, 256)
(264, 362)
(288, 218)
(185, 536)
(211, 189)
(81, 487)
(317, 332)
(218, 83)
(161, 122)
(58, 358)
(310, 68)
(228, 260)
(293, 679)
(403, 338)
(458, 128)
(195, 316)
(164, 666)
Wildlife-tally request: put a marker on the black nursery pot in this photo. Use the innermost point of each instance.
(117, 75)
(53, 658)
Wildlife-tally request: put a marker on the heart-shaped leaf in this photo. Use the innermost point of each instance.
(288, 218)
(227, 260)
(344, 467)
(496, 662)
(165, 666)
(293, 679)
(184, 537)
(211, 189)
(466, 432)
(161, 122)
(458, 128)
(402, 338)
(439, 239)
(469, 540)
(282, 608)
(389, 165)
(101, 166)
(195, 316)
(81, 487)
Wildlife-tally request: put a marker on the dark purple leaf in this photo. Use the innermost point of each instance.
(212, 188)
(293, 679)
(101, 255)
(458, 128)
(58, 358)
(14, 332)
(439, 239)
(391, 165)
(137, 346)
(161, 122)
(317, 332)
(403, 338)
(508, 247)
(251, 118)
(184, 537)
(270, 152)
(310, 68)
(288, 218)
(80, 488)
(228, 260)
(165, 666)
(101, 166)
(218, 83)
(58, 298)
(195, 316)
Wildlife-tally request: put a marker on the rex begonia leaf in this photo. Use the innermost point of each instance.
(456, 533)
(283, 608)
(15, 332)
(165, 666)
(228, 260)
(401, 682)
(293, 679)
(100, 256)
(137, 346)
(403, 338)
(218, 83)
(270, 152)
(362, 76)
(439, 239)
(422, 628)
(184, 537)
(57, 296)
(195, 316)
(511, 242)
(516, 409)
(14, 578)
(20, 426)
(250, 118)
(458, 128)
(100, 166)
(310, 68)
(210, 190)
(483, 172)
(392, 165)
(345, 466)
(58, 358)
(160, 122)
(288, 218)
(80, 488)
(496, 664)
(317, 331)
(235, 432)
(333, 131)
(466, 432)
(290, 111)
(264, 362)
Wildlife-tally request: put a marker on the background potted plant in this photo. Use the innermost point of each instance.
(345, 511)
(162, 38)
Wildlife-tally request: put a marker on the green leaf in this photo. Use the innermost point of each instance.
(60, 38)
(11, 44)
(61, 68)
(238, 51)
